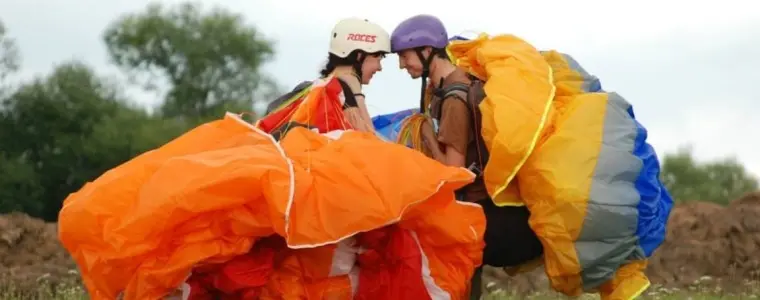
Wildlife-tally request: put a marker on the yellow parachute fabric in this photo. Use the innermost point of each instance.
(513, 121)
(565, 153)
(140, 229)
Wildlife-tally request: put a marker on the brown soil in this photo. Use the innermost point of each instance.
(706, 243)
(704, 239)
(31, 255)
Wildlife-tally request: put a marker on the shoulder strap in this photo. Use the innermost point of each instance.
(348, 94)
(457, 90)
(453, 89)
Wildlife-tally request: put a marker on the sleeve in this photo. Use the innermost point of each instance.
(454, 128)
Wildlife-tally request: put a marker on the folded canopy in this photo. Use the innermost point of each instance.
(575, 155)
(227, 211)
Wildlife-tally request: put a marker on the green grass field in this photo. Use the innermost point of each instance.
(697, 291)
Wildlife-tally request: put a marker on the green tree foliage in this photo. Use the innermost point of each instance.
(718, 181)
(210, 60)
(61, 131)
(9, 58)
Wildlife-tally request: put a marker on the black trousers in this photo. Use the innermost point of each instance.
(509, 240)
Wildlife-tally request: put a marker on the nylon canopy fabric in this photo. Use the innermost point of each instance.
(227, 212)
(576, 156)
(389, 125)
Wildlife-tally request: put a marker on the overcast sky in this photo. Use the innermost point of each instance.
(689, 69)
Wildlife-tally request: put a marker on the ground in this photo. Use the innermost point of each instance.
(711, 252)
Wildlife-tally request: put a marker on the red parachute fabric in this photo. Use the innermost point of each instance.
(321, 108)
(226, 212)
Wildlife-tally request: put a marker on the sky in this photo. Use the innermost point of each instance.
(688, 68)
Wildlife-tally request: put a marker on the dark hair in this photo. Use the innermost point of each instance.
(334, 61)
(352, 59)
(441, 53)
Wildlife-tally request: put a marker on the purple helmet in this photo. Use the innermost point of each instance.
(419, 31)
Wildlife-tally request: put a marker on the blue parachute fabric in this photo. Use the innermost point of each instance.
(654, 195)
(655, 203)
(389, 125)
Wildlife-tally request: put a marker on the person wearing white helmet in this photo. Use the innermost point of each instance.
(357, 47)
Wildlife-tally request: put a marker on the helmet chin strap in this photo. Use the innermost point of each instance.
(425, 74)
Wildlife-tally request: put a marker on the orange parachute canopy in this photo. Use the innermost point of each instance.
(320, 108)
(226, 211)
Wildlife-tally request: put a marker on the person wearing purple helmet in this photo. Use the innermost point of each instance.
(420, 42)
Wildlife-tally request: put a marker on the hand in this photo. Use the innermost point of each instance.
(430, 142)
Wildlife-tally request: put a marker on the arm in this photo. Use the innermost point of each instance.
(455, 131)
(454, 157)
(430, 141)
(355, 112)
(356, 89)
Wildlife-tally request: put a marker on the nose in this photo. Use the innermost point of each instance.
(401, 64)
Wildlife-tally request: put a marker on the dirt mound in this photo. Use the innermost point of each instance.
(706, 239)
(31, 254)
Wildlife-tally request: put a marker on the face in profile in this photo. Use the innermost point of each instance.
(372, 64)
(409, 61)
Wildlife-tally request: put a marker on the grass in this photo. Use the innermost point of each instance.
(45, 292)
(700, 290)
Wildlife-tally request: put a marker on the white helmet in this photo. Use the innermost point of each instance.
(358, 34)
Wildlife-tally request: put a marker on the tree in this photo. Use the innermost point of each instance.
(211, 60)
(9, 58)
(66, 129)
(718, 181)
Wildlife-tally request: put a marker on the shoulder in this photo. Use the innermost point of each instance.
(454, 105)
(454, 91)
(351, 83)
(454, 100)
(348, 84)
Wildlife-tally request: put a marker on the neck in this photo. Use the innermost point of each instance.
(439, 69)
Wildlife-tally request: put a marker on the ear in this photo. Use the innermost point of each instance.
(427, 51)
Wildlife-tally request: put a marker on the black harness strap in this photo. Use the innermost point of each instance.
(463, 92)
(349, 95)
(452, 91)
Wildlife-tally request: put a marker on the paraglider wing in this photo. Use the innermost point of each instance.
(580, 160)
(298, 91)
(225, 209)
(389, 125)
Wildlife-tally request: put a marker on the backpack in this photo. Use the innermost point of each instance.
(472, 95)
